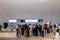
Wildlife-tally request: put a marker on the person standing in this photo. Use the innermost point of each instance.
(36, 30)
(54, 32)
(40, 29)
(59, 29)
(25, 30)
(43, 30)
(22, 30)
(33, 29)
(57, 34)
(0, 27)
(28, 31)
(19, 31)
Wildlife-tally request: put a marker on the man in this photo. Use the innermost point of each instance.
(42, 32)
(36, 30)
(0, 27)
(59, 29)
(17, 31)
(30, 31)
(45, 28)
(25, 30)
(33, 29)
(40, 29)
(22, 30)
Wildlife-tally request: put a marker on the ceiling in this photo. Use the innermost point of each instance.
(49, 10)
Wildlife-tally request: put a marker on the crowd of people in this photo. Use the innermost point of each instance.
(36, 30)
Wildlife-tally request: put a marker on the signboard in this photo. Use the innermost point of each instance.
(31, 20)
(18, 20)
(40, 20)
(23, 20)
(12, 21)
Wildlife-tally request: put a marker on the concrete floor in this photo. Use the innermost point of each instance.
(12, 36)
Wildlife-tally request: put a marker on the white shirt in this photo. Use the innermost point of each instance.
(30, 26)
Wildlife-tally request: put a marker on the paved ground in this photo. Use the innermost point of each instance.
(12, 36)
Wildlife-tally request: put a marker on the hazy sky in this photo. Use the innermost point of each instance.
(48, 10)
